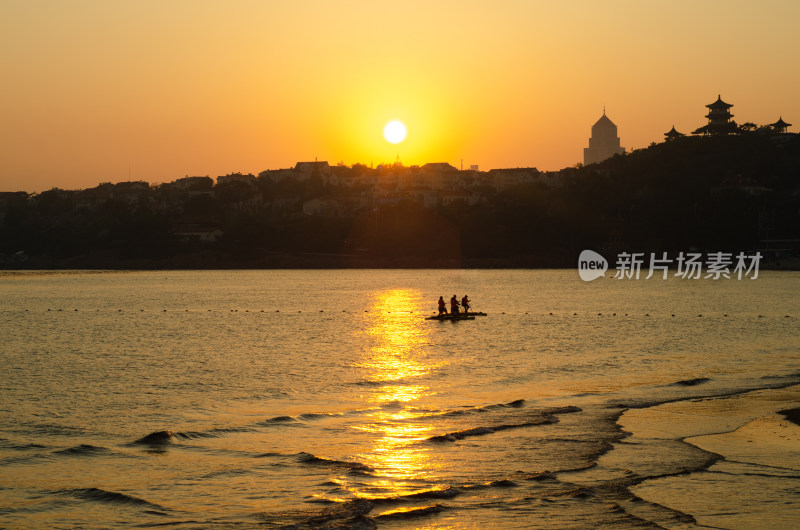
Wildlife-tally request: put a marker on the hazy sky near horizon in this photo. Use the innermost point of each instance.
(94, 91)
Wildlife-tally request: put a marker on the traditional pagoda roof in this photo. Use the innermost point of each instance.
(780, 124)
(672, 133)
(719, 104)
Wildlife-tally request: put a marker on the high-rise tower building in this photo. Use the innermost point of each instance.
(604, 142)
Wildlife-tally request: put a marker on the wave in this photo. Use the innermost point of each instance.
(317, 415)
(391, 405)
(539, 417)
(537, 476)
(447, 493)
(636, 402)
(159, 438)
(502, 483)
(451, 413)
(350, 514)
(426, 495)
(111, 497)
(367, 382)
(225, 430)
(444, 493)
(278, 419)
(156, 438)
(166, 437)
(83, 450)
(569, 409)
(691, 382)
(479, 431)
(308, 458)
(410, 513)
(516, 404)
(354, 513)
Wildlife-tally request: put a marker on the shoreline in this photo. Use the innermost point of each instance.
(298, 263)
(754, 441)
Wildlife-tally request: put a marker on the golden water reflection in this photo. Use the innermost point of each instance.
(396, 359)
(394, 369)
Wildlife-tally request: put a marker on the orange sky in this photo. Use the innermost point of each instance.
(92, 91)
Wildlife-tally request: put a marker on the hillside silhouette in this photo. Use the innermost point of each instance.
(719, 193)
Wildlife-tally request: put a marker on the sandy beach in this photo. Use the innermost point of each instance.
(752, 443)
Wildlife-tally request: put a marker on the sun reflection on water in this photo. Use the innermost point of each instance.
(394, 369)
(397, 357)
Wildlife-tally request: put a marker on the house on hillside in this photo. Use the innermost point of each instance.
(249, 180)
(305, 170)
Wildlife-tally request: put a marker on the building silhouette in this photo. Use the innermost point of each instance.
(719, 119)
(780, 126)
(720, 122)
(604, 142)
(672, 134)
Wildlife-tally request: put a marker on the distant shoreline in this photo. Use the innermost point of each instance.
(726, 194)
(295, 263)
(333, 261)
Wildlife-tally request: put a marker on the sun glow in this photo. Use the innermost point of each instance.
(395, 132)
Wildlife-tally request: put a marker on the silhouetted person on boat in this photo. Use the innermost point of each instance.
(454, 305)
(442, 308)
(465, 304)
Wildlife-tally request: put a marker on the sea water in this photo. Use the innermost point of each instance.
(314, 398)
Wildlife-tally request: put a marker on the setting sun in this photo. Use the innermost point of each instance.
(395, 132)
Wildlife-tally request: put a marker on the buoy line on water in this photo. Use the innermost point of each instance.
(402, 312)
